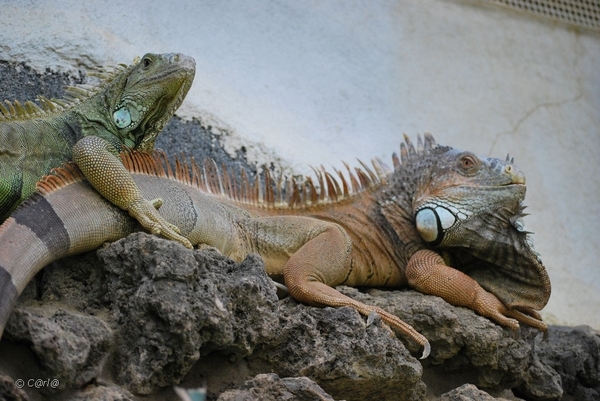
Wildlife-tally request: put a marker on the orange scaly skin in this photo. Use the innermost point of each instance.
(440, 207)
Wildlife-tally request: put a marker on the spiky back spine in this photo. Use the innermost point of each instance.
(75, 95)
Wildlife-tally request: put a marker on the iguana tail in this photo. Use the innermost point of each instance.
(43, 230)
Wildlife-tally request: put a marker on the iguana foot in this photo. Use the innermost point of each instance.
(96, 158)
(427, 273)
(145, 212)
(488, 305)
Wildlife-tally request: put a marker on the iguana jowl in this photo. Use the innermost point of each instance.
(128, 108)
(440, 207)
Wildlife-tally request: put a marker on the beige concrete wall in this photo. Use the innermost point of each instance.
(315, 82)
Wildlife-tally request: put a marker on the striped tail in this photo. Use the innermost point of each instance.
(71, 219)
(30, 239)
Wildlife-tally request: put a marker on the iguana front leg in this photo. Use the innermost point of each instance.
(324, 261)
(427, 273)
(96, 159)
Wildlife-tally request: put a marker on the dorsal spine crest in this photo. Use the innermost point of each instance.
(264, 191)
(75, 94)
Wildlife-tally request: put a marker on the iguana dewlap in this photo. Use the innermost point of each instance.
(128, 108)
(440, 207)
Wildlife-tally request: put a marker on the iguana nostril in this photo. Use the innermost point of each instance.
(516, 175)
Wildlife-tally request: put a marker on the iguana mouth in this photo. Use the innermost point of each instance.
(513, 184)
(518, 179)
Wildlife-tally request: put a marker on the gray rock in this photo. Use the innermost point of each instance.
(21, 82)
(192, 304)
(335, 348)
(71, 348)
(574, 353)
(104, 393)
(269, 387)
(172, 310)
(167, 306)
(541, 382)
(468, 392)
(9, 391)
(172, 304)
(461, 341)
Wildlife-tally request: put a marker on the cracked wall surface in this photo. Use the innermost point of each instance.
(319, 82)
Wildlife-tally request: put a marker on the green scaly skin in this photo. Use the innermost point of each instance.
(445, 222)
(128, 109)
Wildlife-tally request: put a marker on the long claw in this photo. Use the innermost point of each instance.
(371, 318)
(426, 350)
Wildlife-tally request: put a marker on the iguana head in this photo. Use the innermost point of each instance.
(460, 186)
(148, 95)
(470, 209)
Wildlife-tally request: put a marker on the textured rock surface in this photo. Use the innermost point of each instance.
(468, 392)
(9, 391)
(461, 341)
(269, 387)
(188, 303)
(71, 348)
(335, 348)
(105, 393)
(574, 353)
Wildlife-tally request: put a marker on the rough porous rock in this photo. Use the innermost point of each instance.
(71, 348)
(172, 304)
(468, 392)
(104, 393)
(20, 82)
(163, 310)
(269, 387)
(335, 348)
(461, 341)
(10, 392)
(165, 304)
(574, 353)
(542, 382)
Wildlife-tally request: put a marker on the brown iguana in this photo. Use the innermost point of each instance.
(128, 108)
(440, 207)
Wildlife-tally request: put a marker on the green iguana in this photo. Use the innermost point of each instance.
(127, 109)
(440, 207)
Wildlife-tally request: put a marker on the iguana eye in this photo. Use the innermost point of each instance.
(467, 162)
(122, 117)
(146, 62)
